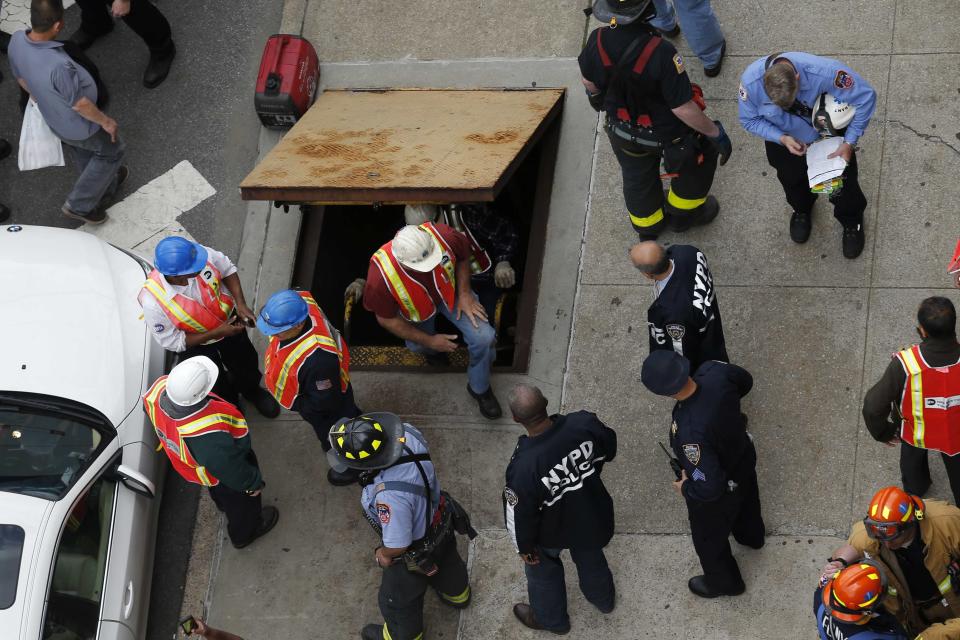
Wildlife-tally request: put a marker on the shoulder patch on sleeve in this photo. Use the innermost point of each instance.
(383, 512)
(843, 80)
(743, 92)
(692, 451)
(158, 328)
(676, 331)
(678, 62)
(511, 497)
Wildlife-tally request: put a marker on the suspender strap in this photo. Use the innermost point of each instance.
(645, 55)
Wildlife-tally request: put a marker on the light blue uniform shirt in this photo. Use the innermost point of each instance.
(818, 75)
(401, 506)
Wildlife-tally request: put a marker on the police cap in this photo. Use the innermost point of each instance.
(665, 372)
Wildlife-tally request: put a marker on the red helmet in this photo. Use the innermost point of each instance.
(892, 512)
(855, 592)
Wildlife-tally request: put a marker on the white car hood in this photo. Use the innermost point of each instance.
(69, 319)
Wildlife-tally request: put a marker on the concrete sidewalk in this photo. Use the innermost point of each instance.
(815, 330)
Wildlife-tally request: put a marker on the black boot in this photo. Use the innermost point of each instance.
(699, 587)
(704, 214)
(159, 65)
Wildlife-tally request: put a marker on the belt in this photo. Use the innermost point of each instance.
(625, 131)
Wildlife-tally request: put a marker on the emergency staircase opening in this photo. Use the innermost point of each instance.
(471, 155)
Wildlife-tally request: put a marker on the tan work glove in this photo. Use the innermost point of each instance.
(355, 290)
(503, 275)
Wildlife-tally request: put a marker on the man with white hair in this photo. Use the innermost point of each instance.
(423, 271)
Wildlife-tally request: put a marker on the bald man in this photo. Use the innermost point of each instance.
(684, 316)
(554, 499)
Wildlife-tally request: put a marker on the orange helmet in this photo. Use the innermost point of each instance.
(892, 512)
(855, 592)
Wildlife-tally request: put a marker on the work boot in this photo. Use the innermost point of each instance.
(524, 614)
(159, 66)
(372, 632)
(703, 215)
(714, 71)
(4, 212)
(97, 216)
(268, 520)
(457, 605)
(852, 241)
(83, 39)
(265, 403)
(342, 478)
(488, 403)
(800, 225)
(5, 148)
(699, 587)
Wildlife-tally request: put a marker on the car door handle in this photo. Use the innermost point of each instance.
(128, 601)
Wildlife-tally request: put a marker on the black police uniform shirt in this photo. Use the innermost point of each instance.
(662, 87)
(882, 627)
(685, 316)
(554, 497)
(708, 435)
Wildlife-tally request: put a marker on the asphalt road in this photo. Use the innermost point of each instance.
(203, 113)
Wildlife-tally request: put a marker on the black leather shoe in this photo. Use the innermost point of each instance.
(4, 212)
(97, 216)
(703, 215)
(5, 149)
(800, 227)
(372, 632)
(159, 67)
(613, 603)
(342, 478)
(265, 403)
(699, 587)
(437, 359)
(268, 520)
(853, 240)
(83, 39)
(672, 33)
(713, 72)
(524, 614)
(488, 403)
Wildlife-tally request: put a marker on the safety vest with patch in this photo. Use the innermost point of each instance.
(930, 403)
(416, 303)
(193, 316)
(479, 258)
(282, 363)
(216, 415)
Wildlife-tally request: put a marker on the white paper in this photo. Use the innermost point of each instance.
(820, 168)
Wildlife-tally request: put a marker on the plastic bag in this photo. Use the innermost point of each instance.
(39, 146)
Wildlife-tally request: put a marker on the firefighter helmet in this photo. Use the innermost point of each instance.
(892, 512)
(856, 591)
(615, 12)
(369, 441)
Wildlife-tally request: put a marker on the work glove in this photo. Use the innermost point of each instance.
(503, 275)
(722, 143)
(354, 290)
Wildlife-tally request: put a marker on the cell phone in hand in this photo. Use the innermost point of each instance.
(188, 624)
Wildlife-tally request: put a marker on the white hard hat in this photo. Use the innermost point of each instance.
(416, 249)
(420, 213)
(191, 381)
(829, 114)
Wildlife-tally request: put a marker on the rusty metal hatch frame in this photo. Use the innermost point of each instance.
(327, 157)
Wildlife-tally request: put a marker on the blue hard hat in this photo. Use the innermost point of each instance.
(664, 372)
(284, 310)
(176, 256)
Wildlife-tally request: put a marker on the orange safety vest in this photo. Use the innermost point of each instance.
(216, 415)
(193, 316)
(282, 364)
(415, 301)
(479, 258)
(930, 403)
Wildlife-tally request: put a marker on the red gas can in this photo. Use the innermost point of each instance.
(287, 81)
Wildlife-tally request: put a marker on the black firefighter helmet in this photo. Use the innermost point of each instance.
(615, 12)
(370, 441)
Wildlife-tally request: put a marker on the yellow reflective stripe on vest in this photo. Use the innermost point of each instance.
(915, 382)
(685, 204)
(192, 427)
(649, 220)
(168, 303)
(294, 356)
(399, 290)
(204, 478)
(151, 398)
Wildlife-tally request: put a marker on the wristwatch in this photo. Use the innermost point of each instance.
(840, 560)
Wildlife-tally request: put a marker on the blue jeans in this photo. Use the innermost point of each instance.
(700, 26)
(98, 160)
(481, 344)
(548, 591)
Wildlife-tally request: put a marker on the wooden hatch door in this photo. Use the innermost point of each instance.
(404, 146)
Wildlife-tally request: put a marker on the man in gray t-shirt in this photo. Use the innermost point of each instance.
(66, 95)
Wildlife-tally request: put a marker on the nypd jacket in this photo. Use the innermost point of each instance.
(554, 497)
(685, 316)
(708, 435)
(761, 117)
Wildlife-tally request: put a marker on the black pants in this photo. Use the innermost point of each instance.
(402, 591)
(242, 511)
(643, 189)
(321, 421)
(547, 588)
(489, 294)
(238, 362)
(144, 18)
(915, 471)
(848, 205)
(711, 524)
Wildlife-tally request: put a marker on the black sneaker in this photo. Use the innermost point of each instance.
(265, 403)
(853, 240)
(488, 403)
(268, 520)
(713, 72)
(701, 216)
(800, 227)
(5, 149)
(672, 33)
(97, 216)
